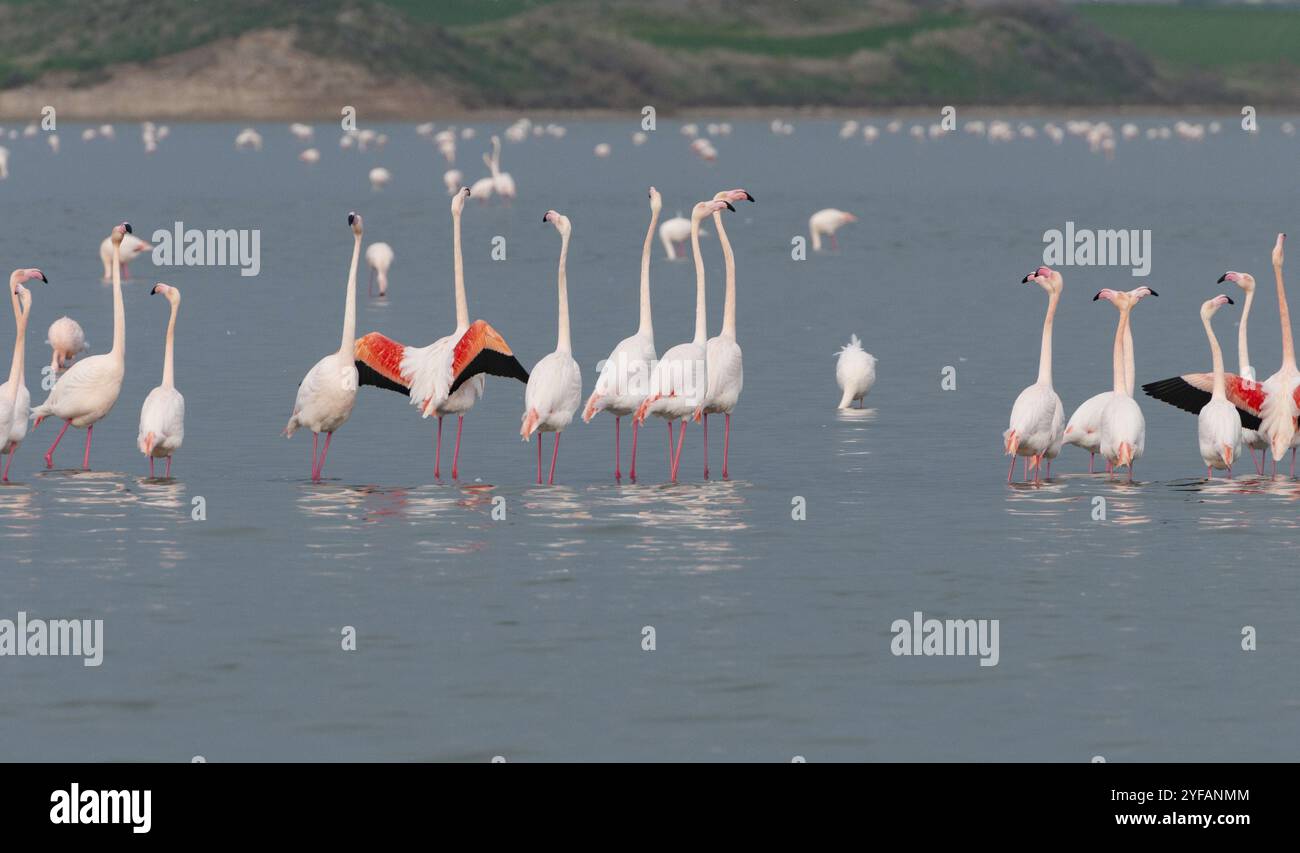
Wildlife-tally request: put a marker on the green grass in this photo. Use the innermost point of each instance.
(1206, 37)
(463, 13)
(682, 36)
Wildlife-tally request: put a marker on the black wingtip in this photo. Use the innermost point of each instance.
(367, 375)
(493, 363)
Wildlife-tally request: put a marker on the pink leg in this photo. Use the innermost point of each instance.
(168, 471)
(681, 439)
(315, 437)
(670, 447)
(835, 246)
(151, 467)
(1259, 463)
(1209, 473)
(7, 464)
(126, 273)
(437, 453)
(1293, 463)
(49, 454)
(726, 445)
(539, 458)
(706, 447)
(1048, 475)
(555, 453)
(1130, 472)
(455, 456)
(325, 451)
(1091, 457)
(85, 460)
(1012, 470)
(618, 475)
(631, 472)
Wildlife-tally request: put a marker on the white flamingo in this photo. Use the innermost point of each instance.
(726, 369)
(88, 391)
(1123, 428)
(554, 389)
(447, 376)
(162, 417)
(1218, 426)
(624, 381)
(1252, 439)
(502, 183)
(680, 379)
(1037, 420)
(380, 178)
(827, 222)
(674, 233)
(453, 179)
(15, 399)
(132, 248)
(66, 340)
(379, 257)
(482, 188)
(329, 390)
(855, 372)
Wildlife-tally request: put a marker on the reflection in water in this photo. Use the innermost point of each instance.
(854, 438)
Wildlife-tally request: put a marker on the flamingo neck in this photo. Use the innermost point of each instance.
(1220, 386)
(169, 363)
(1284, 314)
(729, 301)
(458, 266)
(562, 343)
(1243, 352)
(701, 331)
(119, 309)
(1121, 383)
(16, 366)
(1130, 367)
(647, 327)
(350, 305)
(1045, 354)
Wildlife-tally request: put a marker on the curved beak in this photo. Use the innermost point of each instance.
(1222, 278)
(1098, 296)
(749, 197)
(729, 207)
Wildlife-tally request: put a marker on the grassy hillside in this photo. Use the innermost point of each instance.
(687, 53)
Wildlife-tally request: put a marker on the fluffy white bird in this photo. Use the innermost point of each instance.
(379, 257)
(162, 417)
(855, 372)
(66, 340)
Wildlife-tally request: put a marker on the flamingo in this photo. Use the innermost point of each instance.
(15, 399)
(1036, 418)
(679, 381)
(621, 385)
(827, 222)
(1123, 429)
(674, 233)
(379, 178)
(379, 257)
(502, 183)
(453, 179)
(855, 372)
(162, 417)
(447, 376)
(726, 370)
(246, 138)
(311, 155)
(483, 187)
(132, 247)
(1218, 426)
(554, 389)
(88, 391)
(329, 390)
(1249, 437)
(1270, 407)
(1083, 429)
(67, 340)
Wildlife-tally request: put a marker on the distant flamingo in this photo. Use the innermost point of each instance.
(624, 381)
(88, 391)
(1123, 428)
(827, 222)
(674, 233)
(502, 183)
(1270, 407)
(379, 257)
(15, 399)
(329, 390)
(67, 340)
(483, 187)
(680, 381)
(1249, 437)
(1037, 420)
(380, 178)
(725, 362)
(447, 376)
(162, 417)
(453, 179)
(132, 248)
(554, 389)
(1218, 426)
(855, 372)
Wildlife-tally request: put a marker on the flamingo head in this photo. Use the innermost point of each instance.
(705, 208)
(173, 295)
(1244, 280)
(845, 216)
(354, 220)
(1046, 278)
(656, 200)
(559, 220)
(1212, 305)
(119, 231)
(734, 195)
(458, 201)
(1140, 293)
(1120, 298)
(20, 275)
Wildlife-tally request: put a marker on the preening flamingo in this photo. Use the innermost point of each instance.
(1123, 429)
(1037, 420)
(726, 371)
(827, 222)
(1249, 437)
(88, 391)
(447, 376)
(680, 381)
(329, 390)
(554, 389)
(1269, 407)
(674, 233)
(132, 248)
(15, 399)
(855, 372)
(162, 417)
(624, 381)
(379, 257)
(67, 340)
(1218, 426)
(1083, 429)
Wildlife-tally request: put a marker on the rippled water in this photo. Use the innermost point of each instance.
(522, 637)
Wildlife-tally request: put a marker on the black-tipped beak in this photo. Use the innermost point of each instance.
(44, 279)
(1230, 302)
(1222, 278)
(351, 218)
(1098, 296)
(1153, 293)
(543, 219)
(154, 290)
(749, 197)
(1026, 279)
(467, 192)
(127, 226)
(729, 207)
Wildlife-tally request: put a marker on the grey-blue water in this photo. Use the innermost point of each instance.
(522, 637)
